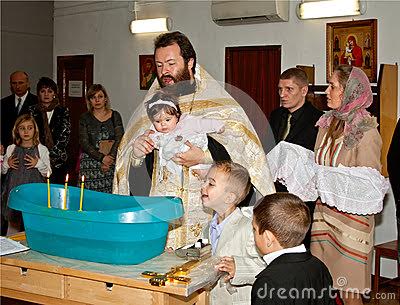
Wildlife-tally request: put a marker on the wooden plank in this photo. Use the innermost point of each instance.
(204, 297)
(35, 298)
(32, 281)
(200, 297)
(388, 93)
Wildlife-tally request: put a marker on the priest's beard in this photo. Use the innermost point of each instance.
(182, 83)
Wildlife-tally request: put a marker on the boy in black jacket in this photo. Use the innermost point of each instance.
(293, 276)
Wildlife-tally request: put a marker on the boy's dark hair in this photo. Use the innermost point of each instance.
(298, 75)
(45, 82)
(238, 178)
(284, 215)
(161, 95)
(187, 50)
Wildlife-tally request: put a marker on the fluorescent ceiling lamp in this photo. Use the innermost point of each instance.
(151, 25)
(330, 8)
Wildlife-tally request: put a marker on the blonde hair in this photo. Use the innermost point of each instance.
(21, 119)
(93, 89)
(238, 178)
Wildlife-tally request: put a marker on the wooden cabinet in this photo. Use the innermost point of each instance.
(32, 281)
(25, 277)
(96, 292)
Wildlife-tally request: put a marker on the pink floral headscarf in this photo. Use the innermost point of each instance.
(356, 98)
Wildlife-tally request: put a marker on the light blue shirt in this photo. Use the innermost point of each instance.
(216, 230)
(268, 258)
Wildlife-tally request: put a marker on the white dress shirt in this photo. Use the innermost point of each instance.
(268, 258)
(23, 98)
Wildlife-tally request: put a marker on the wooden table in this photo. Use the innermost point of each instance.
(45, 279)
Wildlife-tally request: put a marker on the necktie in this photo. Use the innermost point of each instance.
(19, 105)
(287, 129)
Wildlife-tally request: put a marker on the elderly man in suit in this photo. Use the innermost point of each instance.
(294, 121)
(15, 104)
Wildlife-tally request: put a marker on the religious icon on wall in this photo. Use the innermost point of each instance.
(147, 71)
(353, 43)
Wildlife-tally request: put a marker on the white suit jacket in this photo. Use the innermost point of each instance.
(237, 240)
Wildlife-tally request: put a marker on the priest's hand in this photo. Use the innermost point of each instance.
(143, 145)
(193, 156)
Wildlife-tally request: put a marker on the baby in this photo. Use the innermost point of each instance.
(174, 133)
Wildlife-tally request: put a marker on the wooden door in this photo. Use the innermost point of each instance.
(387, 111)
(74, 77)
(255, 70)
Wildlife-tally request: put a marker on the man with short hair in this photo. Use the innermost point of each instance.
(294, 121)
(199, 95)
(15, 104)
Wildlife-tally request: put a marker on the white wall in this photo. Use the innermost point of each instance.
(26, 40)
(102, 29)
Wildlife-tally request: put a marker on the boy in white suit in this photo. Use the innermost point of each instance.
(231, 233)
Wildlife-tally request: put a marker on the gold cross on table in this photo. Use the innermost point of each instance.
(177, 274)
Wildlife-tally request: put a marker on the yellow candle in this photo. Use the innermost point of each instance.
(65, 192)
(48, 189)
(81, 199)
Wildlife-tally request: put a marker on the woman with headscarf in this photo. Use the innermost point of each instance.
(54, 125)
(347, 136)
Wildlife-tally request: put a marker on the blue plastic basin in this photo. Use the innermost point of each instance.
(111, 229)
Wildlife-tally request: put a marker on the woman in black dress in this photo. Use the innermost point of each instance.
(54, 125)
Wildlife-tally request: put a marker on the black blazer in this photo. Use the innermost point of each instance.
(9, 115)
(291, 275)
(303, 132)
(60, 126)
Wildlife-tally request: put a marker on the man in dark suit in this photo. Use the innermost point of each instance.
(15, 104)
(294, 121)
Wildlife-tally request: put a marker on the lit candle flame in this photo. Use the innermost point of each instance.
(83, 178)
(48, 174)
(66, 178)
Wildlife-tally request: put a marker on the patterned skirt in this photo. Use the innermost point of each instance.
(344, 242)
(95, 178)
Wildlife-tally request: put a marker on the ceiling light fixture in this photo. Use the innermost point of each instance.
(149, 25)
(330, 8)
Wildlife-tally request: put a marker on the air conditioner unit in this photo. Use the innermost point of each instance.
(245, 12)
